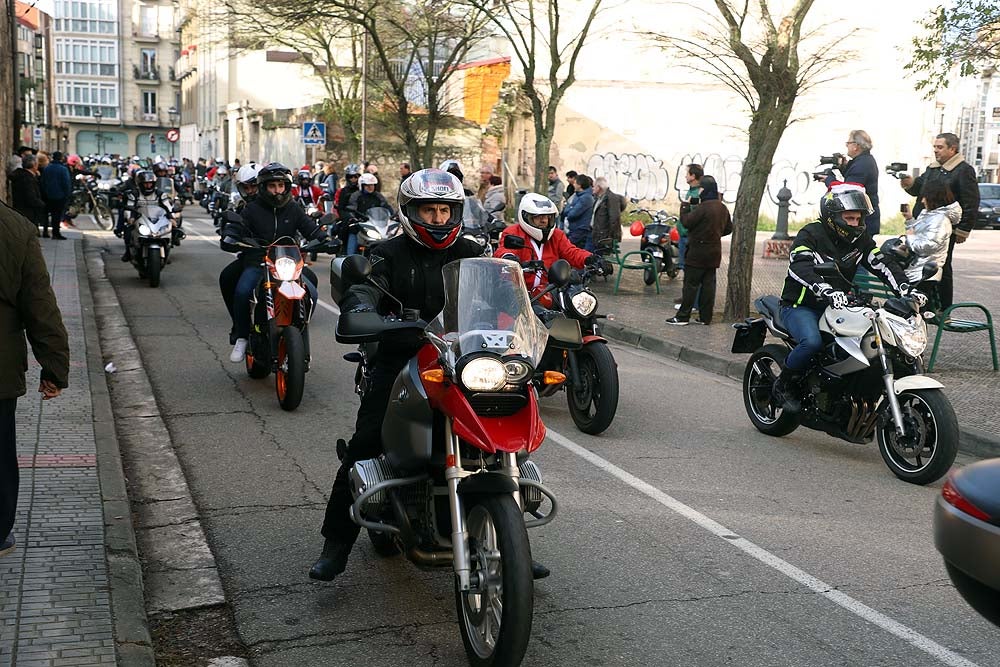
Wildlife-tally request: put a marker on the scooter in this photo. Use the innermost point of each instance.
(660, 239)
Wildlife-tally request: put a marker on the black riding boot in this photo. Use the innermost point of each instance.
(787, 390)
(332, 561)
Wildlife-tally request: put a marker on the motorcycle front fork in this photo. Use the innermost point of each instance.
(462, 558)
(890, 384)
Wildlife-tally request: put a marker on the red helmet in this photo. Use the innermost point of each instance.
(431, 186)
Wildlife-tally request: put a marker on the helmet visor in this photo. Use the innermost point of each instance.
(855, 200)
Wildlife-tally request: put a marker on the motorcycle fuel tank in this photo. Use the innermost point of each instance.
(407, 431)
(850, 322)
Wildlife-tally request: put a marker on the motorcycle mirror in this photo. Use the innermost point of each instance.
(560, 272)
(356, 269)
(512, 242)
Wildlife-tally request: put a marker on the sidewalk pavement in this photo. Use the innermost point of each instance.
(963, 363)
(71, 593)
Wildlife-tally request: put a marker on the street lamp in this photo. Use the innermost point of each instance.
(173, 113)
(97, 116)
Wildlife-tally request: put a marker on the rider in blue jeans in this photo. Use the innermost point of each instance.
(839, 236)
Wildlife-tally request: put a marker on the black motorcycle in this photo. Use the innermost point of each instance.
(659, 240)
(88, 198)
(591, 370)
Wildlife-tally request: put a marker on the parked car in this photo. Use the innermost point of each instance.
(989, 206)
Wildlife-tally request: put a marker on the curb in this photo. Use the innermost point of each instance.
(178, 567)
(972, 441)
(133, 645)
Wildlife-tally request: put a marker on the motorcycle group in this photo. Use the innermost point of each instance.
(462, 324)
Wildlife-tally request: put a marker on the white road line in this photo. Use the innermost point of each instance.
(910, 636)
(214, 240)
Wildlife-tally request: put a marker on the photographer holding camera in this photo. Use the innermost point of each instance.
(949, 166)
(860, 169)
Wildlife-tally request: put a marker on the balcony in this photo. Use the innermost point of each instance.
(146, 74)
(140, 117)
(146, 37)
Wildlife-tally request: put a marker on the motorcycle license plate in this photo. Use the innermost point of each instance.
(658, 253)
(749, 336)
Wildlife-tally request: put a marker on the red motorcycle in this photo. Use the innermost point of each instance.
(455, 483)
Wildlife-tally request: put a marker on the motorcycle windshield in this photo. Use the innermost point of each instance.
(379, 218)
(487, 309)
(474, 216)
(156, 218)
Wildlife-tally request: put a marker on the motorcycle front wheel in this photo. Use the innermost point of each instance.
(495, 615)
(153, 266)
(649, 275)
(593, 402)
(927, 450)
(290, 377)
(763, 368)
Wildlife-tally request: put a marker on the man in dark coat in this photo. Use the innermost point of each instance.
(707, 223)
(949, 165)
(25, 193)
(861, 169)
(57, 186)
(607, 214)
(27, 306)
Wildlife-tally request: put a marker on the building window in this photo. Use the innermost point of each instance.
(89, 57)
(81, 99)
(147, 62)
(149, 105)
(94, 16)
(147, 20)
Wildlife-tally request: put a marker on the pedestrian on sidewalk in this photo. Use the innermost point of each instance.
(579, 211)
(555, 188)
(27, 306)
(56, 188)
(862, 169)
(706, 225)
(608, 208)
(25, 191)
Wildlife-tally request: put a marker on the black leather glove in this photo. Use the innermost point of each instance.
(607, 268)
(593, 260)
(362, 308)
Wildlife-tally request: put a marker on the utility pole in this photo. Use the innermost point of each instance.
(364, 97)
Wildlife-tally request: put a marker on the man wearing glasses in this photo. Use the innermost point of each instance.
(861, 169)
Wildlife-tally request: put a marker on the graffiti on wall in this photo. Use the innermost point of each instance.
(645, 176)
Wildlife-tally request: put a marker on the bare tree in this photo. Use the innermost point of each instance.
(547, 48)
(964, 36)
(414, 48)
(758, 59)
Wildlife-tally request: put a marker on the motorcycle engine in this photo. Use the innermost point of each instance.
(366, 474)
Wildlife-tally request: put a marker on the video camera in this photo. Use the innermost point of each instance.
(835, 160)
(897, 169)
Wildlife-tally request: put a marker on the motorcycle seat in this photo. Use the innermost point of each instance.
(771, 307)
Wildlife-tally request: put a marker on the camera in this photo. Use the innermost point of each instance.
(897, 169)
(834, 161)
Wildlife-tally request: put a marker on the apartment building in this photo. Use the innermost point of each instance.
(35, 106)
(979, 126)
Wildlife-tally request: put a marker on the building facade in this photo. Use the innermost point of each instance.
(980, 126)
(115, 81)
(35, 105)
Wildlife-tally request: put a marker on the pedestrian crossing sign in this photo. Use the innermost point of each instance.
(314, 133)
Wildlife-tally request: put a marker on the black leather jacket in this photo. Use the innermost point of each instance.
(411, 273)
(265, 225)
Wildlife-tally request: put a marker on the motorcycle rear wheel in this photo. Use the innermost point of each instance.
(290, 376)
(495, 617)
(593, 404)
(649, 275)
(930, 413)
(762, 370)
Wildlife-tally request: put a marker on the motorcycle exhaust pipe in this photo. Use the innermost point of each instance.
(430, 558)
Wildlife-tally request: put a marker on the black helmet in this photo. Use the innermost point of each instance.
(274, 172)
(844, 197)
(146, 181)
(897, 249)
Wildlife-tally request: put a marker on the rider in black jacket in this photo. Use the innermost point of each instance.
(267, 218)
(839, 236)
(408, 267)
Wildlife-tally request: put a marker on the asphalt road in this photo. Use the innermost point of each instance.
(685, 537)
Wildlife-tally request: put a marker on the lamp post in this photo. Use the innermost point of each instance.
(173, 113)
(97, 117)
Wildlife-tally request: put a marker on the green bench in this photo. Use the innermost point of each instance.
(639, 260)
(942, 319)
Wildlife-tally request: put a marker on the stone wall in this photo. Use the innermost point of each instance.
(7, 101)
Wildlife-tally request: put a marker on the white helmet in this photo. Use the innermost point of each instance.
(533, 204)
(431, 186)
(247, 175)
(368, 179)
(222, 171)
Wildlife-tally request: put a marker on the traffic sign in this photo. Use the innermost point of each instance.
(173, 134)
(314, 133)
(37, 133)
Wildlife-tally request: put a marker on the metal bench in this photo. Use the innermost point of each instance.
(942, 319)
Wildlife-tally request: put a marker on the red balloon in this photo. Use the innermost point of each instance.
(637, 228)
(675, 235)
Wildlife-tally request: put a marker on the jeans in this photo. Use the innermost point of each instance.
(352, 244)
(245, 287)
(803, 323)
(682, 247)
(8, 467)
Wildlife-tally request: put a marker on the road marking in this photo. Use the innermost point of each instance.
(910, 636)
(214, 240)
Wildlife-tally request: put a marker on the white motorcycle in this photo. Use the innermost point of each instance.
(151, 241)
(867, 383)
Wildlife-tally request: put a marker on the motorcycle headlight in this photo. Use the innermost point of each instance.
(653, 238)
(484, 374)
(371, 234)
(144, 230)
(517, 371)
(584, 303)
(284, 268)
(911, 335)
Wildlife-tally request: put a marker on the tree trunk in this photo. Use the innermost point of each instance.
(766, 128)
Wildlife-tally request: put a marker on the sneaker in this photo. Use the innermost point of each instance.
(700, 322)
(676, 321)
(239, 351)
(7, 545)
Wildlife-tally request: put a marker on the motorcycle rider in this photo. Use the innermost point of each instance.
(839, 236)
(408, 267)
(357, 208)
(246, 187)
(141, 201)
(352, 173)
(536, 218)
(268, 217)
(304, 191)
